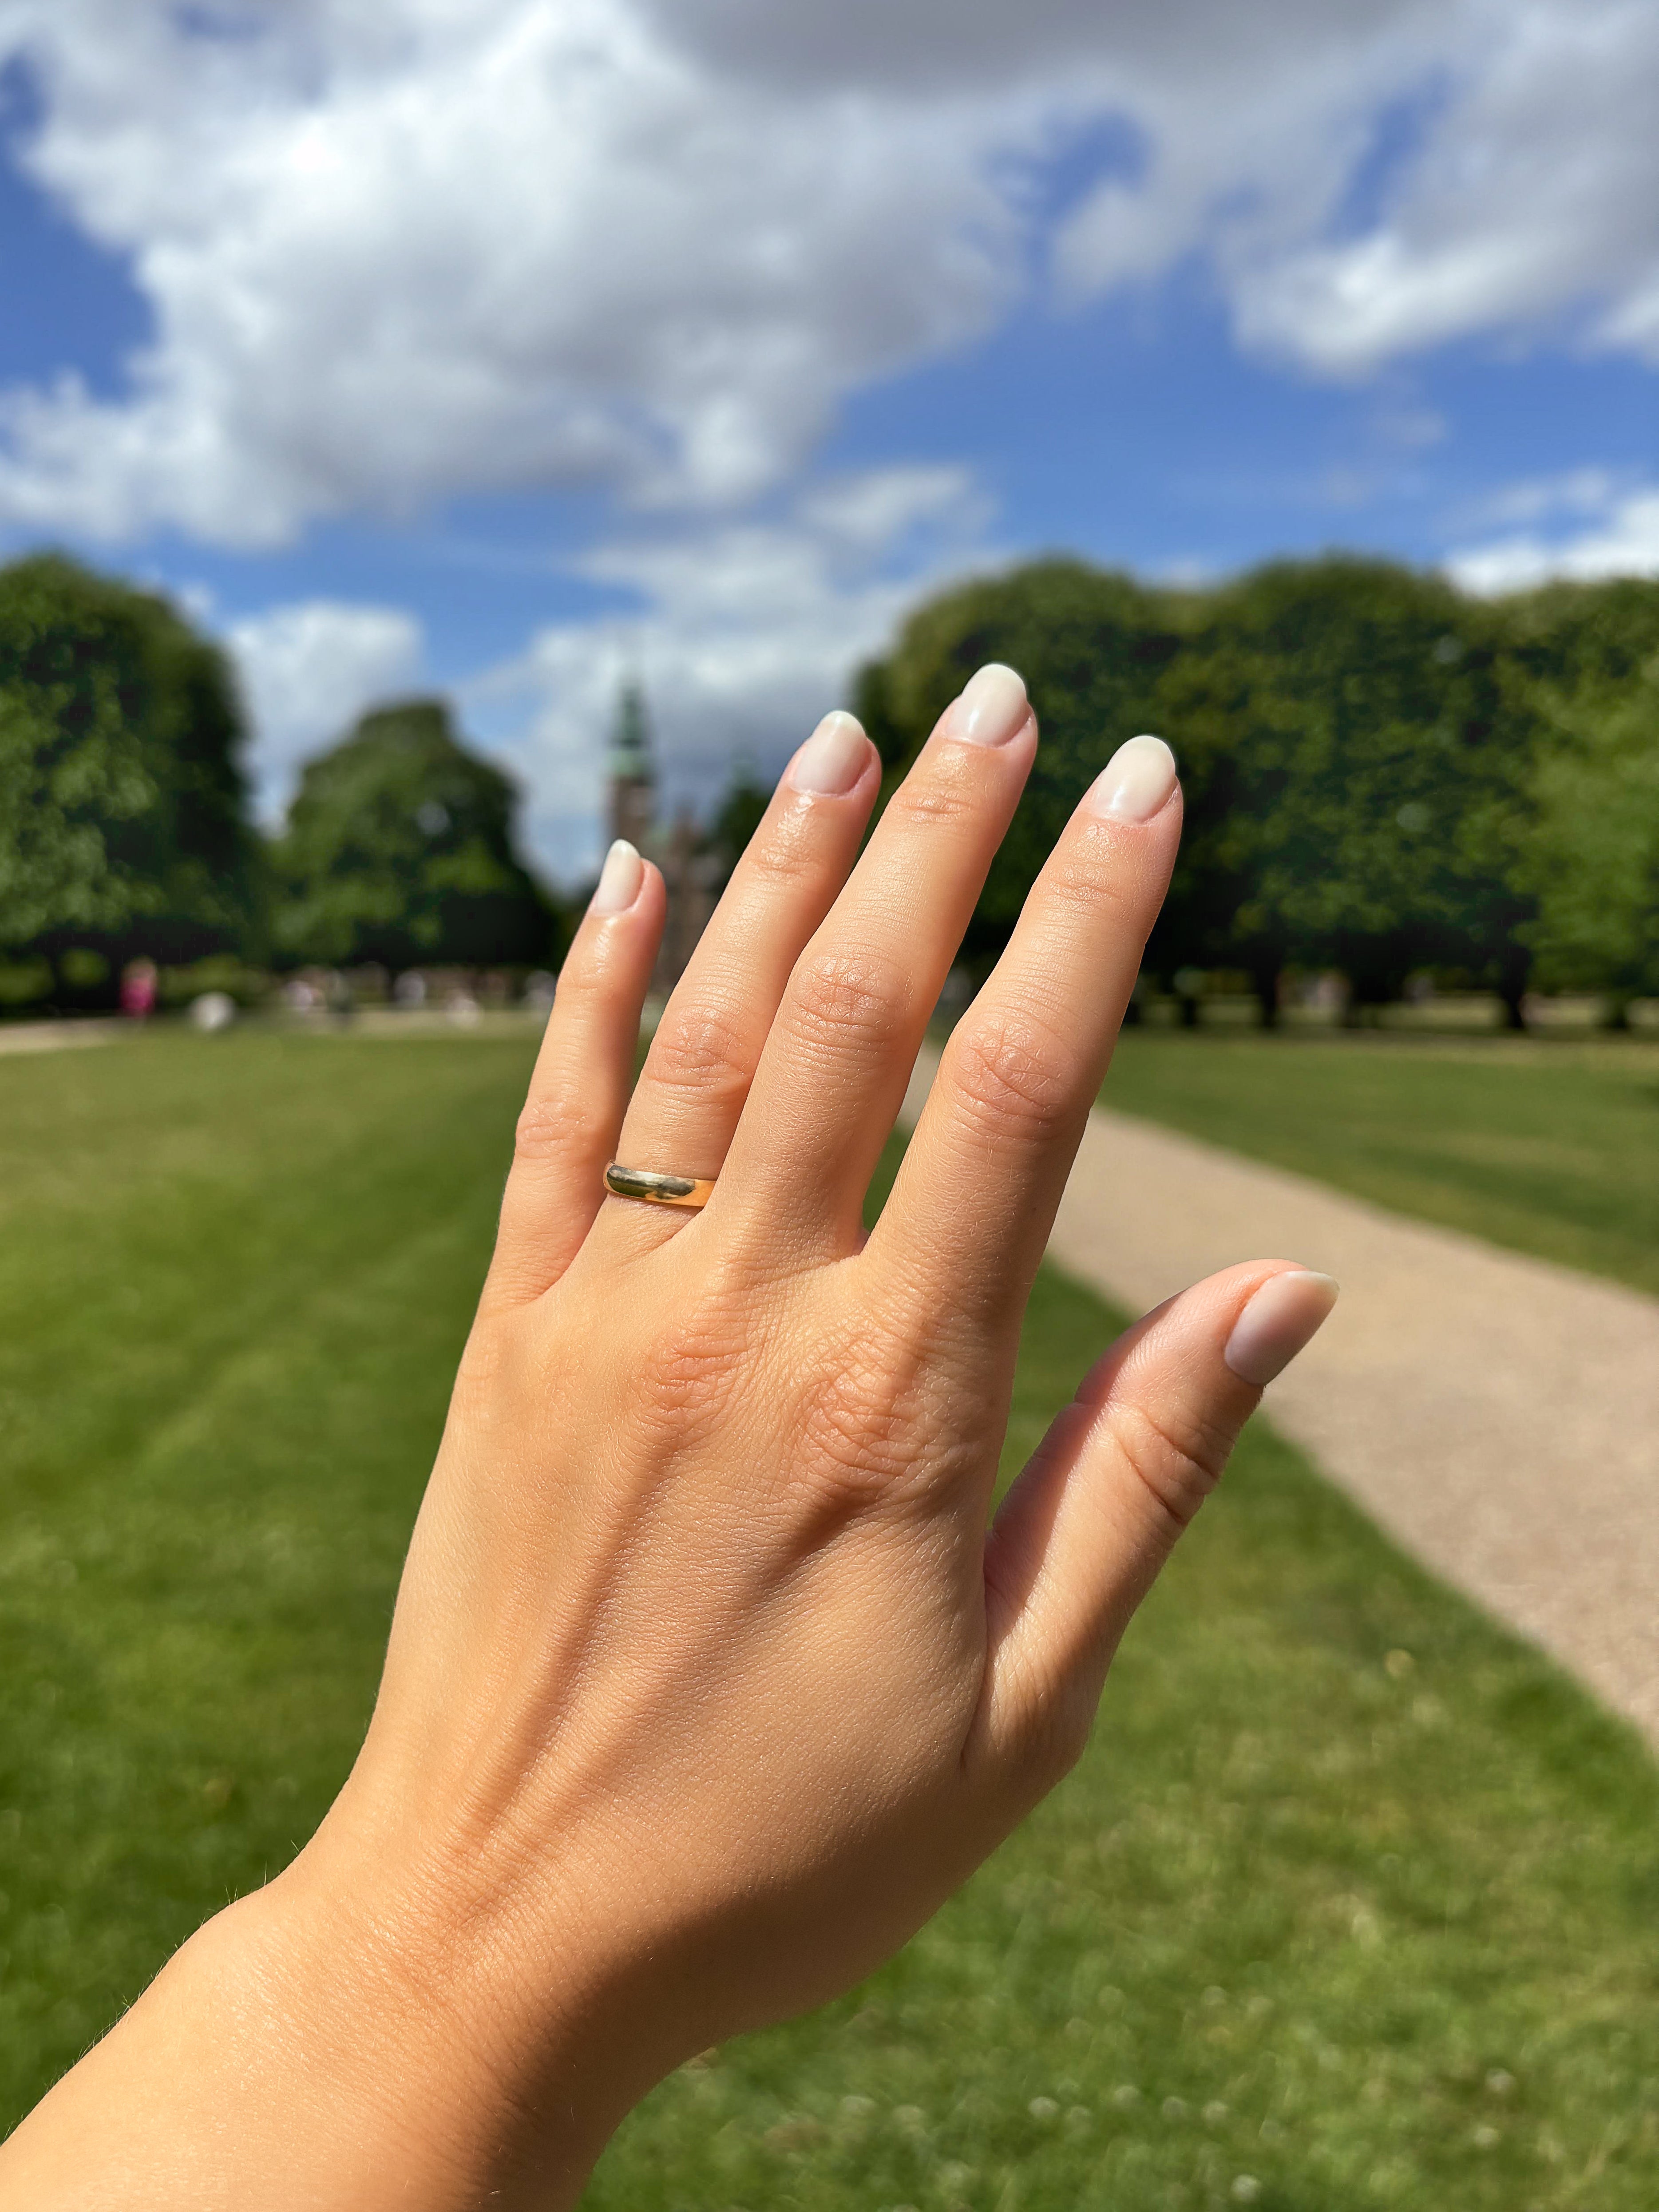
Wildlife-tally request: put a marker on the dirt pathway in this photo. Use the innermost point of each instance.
(55, 1037)
(1499, 1415)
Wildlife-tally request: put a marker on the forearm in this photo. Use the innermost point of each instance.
(292, 2056)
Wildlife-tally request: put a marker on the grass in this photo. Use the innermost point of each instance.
(233, 1273)
(1353, 1903)
(1548, 1146)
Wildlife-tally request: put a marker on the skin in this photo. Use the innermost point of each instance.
(707, 1683)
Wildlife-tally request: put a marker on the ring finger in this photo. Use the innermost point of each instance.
(703, 1059)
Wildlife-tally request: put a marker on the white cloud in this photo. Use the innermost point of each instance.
(1533, 196)
(470, 244)
(1366, 180)
(1583, 491)
(307, 672)
(749, 632)
(400, 252)
(1619, 538)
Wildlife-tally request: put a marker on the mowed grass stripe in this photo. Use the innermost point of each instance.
(1352, 1900)
(205, 1499)
(1548, 1146)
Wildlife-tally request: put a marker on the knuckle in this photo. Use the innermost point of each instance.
(1042, 1724)
(1056, 1740)
(1082, 875)
(852, 1443)
(492, 1361)
(846, 1000)
(684, 1379)
(551, 1122)
(1177, 1459)
(1013, 1076)
(934, 798)
(700, 1049)
(776, 857)
(862, 1431)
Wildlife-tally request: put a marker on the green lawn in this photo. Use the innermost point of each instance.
(1550, 1147)
(1354, 1902)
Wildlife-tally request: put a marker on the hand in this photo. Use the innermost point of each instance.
(706, 1684)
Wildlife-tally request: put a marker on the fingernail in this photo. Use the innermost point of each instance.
(992, 706)
(619, 879)
(1284, 1315)
(833, 758)
(1135, 782)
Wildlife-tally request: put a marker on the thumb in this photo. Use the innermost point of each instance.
(1081, 1536)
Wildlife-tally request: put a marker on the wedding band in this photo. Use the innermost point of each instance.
(689, 1191)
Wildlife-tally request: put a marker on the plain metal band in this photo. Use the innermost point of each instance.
(688, 1191)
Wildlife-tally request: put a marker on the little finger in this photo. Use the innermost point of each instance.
(567, 1128)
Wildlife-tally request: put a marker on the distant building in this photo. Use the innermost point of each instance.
(691, 872)
(633, 772)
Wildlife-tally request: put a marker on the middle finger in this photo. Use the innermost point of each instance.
(833, 1074)
(981, 1180)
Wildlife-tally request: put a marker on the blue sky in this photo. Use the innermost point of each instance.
(512, 346)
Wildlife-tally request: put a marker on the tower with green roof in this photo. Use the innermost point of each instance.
(633, 771)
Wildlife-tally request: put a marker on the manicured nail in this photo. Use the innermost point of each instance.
(1135, 782)
(833, 758)
(1284, 1315)
(619, 879)
(992, 706)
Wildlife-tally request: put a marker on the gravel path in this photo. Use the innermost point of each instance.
(1498, 1415)
(55, 1037)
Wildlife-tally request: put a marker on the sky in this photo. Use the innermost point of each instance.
(516, 347)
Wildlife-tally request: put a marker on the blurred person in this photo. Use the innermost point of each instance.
(140, 980)
(708, 1681)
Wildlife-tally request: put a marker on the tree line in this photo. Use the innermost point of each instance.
(125, 827)
(1382, 776)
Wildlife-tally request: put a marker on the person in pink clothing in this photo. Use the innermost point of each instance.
(138, 980)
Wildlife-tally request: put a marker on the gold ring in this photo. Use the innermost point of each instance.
(689, 1191)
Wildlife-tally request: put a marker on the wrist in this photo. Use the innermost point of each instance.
(447, 2062)
(304, 2053)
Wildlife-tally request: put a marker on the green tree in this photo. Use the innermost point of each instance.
(399, 848)
(1359, 761)
(1591, 854)
(737, 817)
(1354, 749)
(1091, 648)
(1585, 637)
(123, 807)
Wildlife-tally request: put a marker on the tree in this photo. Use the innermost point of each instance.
(1354, 749)
(1091, 648)
(743, 803)
(1590, 853)
(399, 848)
(1357, 762)
(123, 807)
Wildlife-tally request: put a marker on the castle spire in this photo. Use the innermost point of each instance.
(633, 772)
